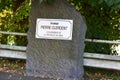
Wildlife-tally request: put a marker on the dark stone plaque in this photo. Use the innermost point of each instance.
(51, 57)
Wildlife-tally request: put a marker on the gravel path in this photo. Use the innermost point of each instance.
(13, 76)
(9, 76)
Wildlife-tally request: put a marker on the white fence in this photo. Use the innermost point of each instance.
(90, 59)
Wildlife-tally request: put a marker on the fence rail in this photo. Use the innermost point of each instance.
(87, 40)
(90, 59)
(102, 41)
(13, 33)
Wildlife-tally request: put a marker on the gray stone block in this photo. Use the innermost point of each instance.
(56, 58)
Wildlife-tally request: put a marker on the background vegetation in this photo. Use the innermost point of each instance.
(14, 18)
(102, 19)
(103, 22)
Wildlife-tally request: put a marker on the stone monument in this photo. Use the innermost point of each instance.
(50, 56)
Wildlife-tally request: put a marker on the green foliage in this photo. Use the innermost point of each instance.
(102, 18)
(5, 4)
(103, 21)
(14, 18)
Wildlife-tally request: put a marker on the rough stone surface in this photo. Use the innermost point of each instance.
(56, 58)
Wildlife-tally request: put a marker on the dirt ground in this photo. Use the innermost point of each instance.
(14, 69)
